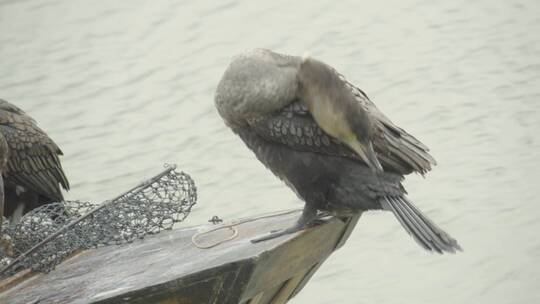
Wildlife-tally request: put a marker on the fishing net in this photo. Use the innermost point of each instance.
(47, 235)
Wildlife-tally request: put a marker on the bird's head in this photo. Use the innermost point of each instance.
(256, 83)
(314, 79)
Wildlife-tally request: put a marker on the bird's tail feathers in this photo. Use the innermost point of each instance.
(419, 226)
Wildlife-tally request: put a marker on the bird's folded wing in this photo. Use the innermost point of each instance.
(33, 158)
(395, 147)
(294, 127)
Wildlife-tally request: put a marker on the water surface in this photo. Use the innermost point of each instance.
(124, 86)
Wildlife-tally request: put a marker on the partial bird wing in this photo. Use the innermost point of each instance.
(395, 147)
(294, 127)
(33, 157)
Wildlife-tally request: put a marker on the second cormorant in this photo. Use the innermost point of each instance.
(33, 174)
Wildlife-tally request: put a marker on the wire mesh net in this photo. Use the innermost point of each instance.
(47, 235)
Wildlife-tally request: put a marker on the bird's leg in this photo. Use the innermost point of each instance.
(17, 214)
(308, 218)
(5, 241)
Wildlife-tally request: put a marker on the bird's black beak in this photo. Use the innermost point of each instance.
(370, 157)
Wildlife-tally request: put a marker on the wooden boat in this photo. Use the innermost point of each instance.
(203, 264)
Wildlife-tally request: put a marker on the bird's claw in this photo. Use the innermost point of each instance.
(276, 233)
(301, 225)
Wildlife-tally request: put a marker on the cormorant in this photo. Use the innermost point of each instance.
(262, 98)
(33, 174)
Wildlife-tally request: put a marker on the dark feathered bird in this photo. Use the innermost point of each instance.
(33, 174)
(262, 96)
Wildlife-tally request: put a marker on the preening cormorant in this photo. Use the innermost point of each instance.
(33, 174)
(267, 99)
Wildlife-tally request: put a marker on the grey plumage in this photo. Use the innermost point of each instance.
(324, 172)
(33, 175)
(398, 150)
(335, 109)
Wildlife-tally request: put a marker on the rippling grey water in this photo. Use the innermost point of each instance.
(124, 86)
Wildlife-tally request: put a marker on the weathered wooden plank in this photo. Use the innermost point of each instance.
(349, 227)
(168, 268)
(300, 254)
(284, 293)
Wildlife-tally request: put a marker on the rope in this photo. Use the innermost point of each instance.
(198, 245)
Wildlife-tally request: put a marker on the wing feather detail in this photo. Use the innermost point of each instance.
(33, 160)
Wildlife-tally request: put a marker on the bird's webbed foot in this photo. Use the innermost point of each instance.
(308, 219)
(320, 218)
(277, 233)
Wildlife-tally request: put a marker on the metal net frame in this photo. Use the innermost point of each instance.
(49, 234)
